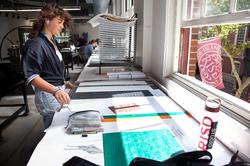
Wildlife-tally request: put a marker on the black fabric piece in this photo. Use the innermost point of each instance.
(152, 85)
(113, 85)
(97, 95)
(77, 161)
(194, 158)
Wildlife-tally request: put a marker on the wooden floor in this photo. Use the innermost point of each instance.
(20, 138)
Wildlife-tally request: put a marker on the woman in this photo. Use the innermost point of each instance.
(88, 50)
(42, 62)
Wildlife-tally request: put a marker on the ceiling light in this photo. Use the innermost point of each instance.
(68, 8)
(72, 8)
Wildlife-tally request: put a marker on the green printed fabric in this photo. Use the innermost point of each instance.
(143, 115)
(121, 147)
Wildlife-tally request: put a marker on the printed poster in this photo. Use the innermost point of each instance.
(209, 61)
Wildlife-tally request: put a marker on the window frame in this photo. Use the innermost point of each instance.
(231, 18)
(235, 17)
(234, 110)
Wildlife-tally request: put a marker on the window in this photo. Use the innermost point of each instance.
(233, 50)
(215, 7)
(234, 40)
(243, 5)
(226, 24)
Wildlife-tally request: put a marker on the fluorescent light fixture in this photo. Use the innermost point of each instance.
(20, 10)
(72, 8)
(68, 8)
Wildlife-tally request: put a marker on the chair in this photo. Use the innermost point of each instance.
(68, 60)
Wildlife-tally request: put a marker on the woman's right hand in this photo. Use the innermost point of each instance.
(62, 97)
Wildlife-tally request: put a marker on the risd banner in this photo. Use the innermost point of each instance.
(209, 61)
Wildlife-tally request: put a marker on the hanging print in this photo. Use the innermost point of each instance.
(209, 61)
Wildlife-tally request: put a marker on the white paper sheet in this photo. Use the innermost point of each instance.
(147, 105)
(95, 21)
(57, 147)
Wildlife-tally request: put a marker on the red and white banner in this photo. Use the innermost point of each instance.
(209, 61)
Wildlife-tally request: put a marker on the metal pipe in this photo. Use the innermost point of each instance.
(100, 6)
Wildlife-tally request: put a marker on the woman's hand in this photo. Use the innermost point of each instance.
(69, 85)
(62, 97)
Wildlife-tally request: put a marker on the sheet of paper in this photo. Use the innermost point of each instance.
(57, 147)
(111, 19)
(145, 104)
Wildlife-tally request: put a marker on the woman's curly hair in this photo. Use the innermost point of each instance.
(50, 11)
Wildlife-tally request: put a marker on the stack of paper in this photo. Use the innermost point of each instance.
(126, 75)
(138, 75)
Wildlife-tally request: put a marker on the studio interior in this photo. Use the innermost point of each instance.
(124, 82)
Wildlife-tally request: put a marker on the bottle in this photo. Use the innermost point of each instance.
(209, 123)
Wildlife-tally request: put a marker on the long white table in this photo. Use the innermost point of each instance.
(152, 110)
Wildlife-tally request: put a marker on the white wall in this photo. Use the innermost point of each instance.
(156, 36)
(147, 36)
(143, 9)
(138, 9)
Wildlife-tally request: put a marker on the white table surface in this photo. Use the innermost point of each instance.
(56, 146)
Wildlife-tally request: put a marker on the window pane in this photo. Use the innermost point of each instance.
(243, 4)
(209, 58)
(217, 7)
(126, 5)
(196, 10)
(193, 9)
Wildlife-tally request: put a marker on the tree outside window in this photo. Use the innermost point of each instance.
(243, 5)
(217, 7)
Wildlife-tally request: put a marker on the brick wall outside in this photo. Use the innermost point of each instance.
(193, 53)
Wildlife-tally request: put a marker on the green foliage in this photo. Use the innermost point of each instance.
(243, 5)
(216, 7)
(224, 32)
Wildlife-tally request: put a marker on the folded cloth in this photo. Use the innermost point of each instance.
(194, 158)
(84, 122)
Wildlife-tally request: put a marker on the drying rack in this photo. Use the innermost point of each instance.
(117, 36)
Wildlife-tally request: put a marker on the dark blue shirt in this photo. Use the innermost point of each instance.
(40, 58)
(88, 50)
